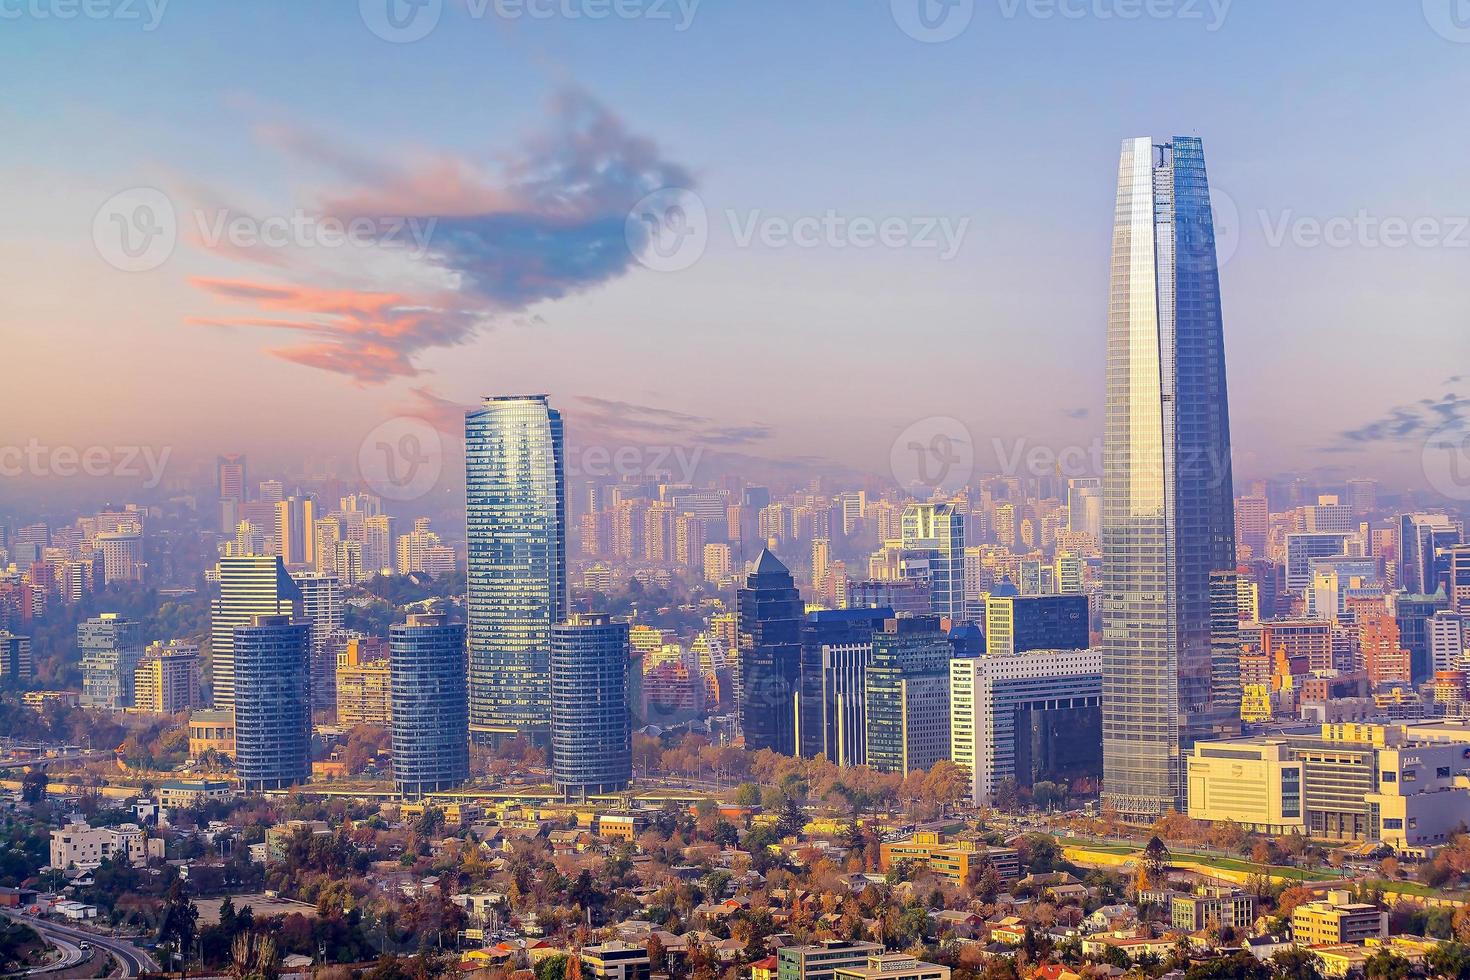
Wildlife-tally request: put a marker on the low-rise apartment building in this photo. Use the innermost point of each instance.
(78, 845)
(1337, 919)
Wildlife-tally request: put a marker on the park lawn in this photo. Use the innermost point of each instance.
(1413, 888)
(1250, 867)
(1224, 863)
(1103, 848)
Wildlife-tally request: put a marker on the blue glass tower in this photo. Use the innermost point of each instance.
(770, 611)
(1168, 519)
(516, 518)
(591, 718)
(430, 705)
(272, 703)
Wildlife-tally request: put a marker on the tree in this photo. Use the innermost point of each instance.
(945, 784)
(1461, 924)
(747, 794)
(177, 924)
(552, 967)
(254, 957)
(33, 786)
(1046, 794)
(1296, 964)
(1240, 966)
(792, 818)
(1449, 960)
(1291, 898)
(1385, 965)
(1006, 798)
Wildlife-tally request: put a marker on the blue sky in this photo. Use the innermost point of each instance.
(1312, 112)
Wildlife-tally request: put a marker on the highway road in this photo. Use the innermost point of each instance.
(71, 955)
(133, 960)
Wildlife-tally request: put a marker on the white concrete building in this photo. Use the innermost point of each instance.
(987, 694)
(79, 845)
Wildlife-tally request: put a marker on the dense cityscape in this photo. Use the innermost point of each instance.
(489, 699)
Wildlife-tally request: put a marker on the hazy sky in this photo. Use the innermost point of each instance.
(514, 137)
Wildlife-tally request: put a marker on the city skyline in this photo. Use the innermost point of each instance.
(764, 490)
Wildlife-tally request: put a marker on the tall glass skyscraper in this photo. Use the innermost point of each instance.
(516, 519)
(591, 720)
(430, 706)
(249, 586)
(769, 670)
(934, 550)
(272, 703)
(1168, 520)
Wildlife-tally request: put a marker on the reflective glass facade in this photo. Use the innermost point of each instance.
(272, 703)
(1168, 518)
(430, 705)
(591, 719)
(516, 516)
(769, 668)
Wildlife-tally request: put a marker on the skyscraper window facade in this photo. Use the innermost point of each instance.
(769, 664)
(249, 586)
(272, 703)
(1168, 518)
(516, 518)
(430, 705)
(591, 720)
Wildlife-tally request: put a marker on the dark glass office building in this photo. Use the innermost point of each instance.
(1016, 623)
(515, 523)
(591, 717)
(835, 646)
(272, 703)
(770, 618)
(1168, 509)
(430, 705)
(906, 690)
(1412, 614)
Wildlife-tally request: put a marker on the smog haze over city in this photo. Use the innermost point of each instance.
(718, 490)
